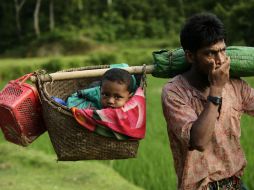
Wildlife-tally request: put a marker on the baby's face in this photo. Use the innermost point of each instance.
(113, 94)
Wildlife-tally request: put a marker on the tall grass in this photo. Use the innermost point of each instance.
(247, 130)
(248, 144)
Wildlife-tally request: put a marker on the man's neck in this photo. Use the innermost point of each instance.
(198, 81)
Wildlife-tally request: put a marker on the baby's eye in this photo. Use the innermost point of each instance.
(104, 94)
(118, 97)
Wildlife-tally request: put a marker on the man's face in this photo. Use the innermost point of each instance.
(205, 57)
(114, 94)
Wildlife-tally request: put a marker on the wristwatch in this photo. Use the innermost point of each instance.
(215, 100)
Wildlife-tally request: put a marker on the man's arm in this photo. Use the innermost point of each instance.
(202, 129)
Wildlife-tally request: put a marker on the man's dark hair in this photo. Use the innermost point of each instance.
(201, 30)
(118, 75)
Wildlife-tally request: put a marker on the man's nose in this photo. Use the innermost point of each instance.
(220, 58)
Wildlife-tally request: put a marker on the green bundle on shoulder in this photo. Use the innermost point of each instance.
(171, 63)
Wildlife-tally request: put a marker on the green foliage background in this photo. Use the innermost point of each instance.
(80, 22)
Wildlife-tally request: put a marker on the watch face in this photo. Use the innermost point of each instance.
(215, 100)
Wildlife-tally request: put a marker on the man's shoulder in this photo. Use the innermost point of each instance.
(175, 83)
(175, 87)
(235, 79)
(237, 82)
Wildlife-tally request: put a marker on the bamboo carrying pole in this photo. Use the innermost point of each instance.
(90, 73)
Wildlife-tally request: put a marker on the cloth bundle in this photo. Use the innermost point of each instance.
(124, 123)
(129, 120)
(171, 63)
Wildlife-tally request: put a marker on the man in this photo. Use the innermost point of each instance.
(202, 108)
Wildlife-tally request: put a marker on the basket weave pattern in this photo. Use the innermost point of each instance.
(71, 141)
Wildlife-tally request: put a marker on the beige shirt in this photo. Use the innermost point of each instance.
(223, 157)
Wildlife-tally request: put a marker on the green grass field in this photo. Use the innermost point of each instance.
(28, 169)
(151, 170)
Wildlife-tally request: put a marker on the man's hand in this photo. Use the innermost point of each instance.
(218, 76)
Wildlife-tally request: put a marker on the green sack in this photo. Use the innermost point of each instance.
(171, 63)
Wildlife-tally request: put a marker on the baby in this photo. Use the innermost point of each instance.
(113, 91)
(116, 88)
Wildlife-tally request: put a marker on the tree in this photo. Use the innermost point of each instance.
(18, 7)
(241, 26)
(36, 18)
(51, 15)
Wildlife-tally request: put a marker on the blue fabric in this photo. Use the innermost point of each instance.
(59, 100)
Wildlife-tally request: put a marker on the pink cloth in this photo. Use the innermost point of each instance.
(224, 157)
(128, 120)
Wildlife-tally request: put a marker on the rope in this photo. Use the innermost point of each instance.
(170, 59)
(143, 82)
(38, 75)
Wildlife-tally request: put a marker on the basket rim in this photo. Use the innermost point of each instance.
(45, 95)
(61, 108)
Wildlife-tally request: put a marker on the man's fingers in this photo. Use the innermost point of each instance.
(226, 64)
(212, 66)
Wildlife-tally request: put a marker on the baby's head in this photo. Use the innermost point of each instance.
(116, 88)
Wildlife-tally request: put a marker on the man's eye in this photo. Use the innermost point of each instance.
(210, 54)
(223, 51)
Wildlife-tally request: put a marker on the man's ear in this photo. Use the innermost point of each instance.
(189, 56)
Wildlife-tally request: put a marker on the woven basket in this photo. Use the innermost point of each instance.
(71, 141)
